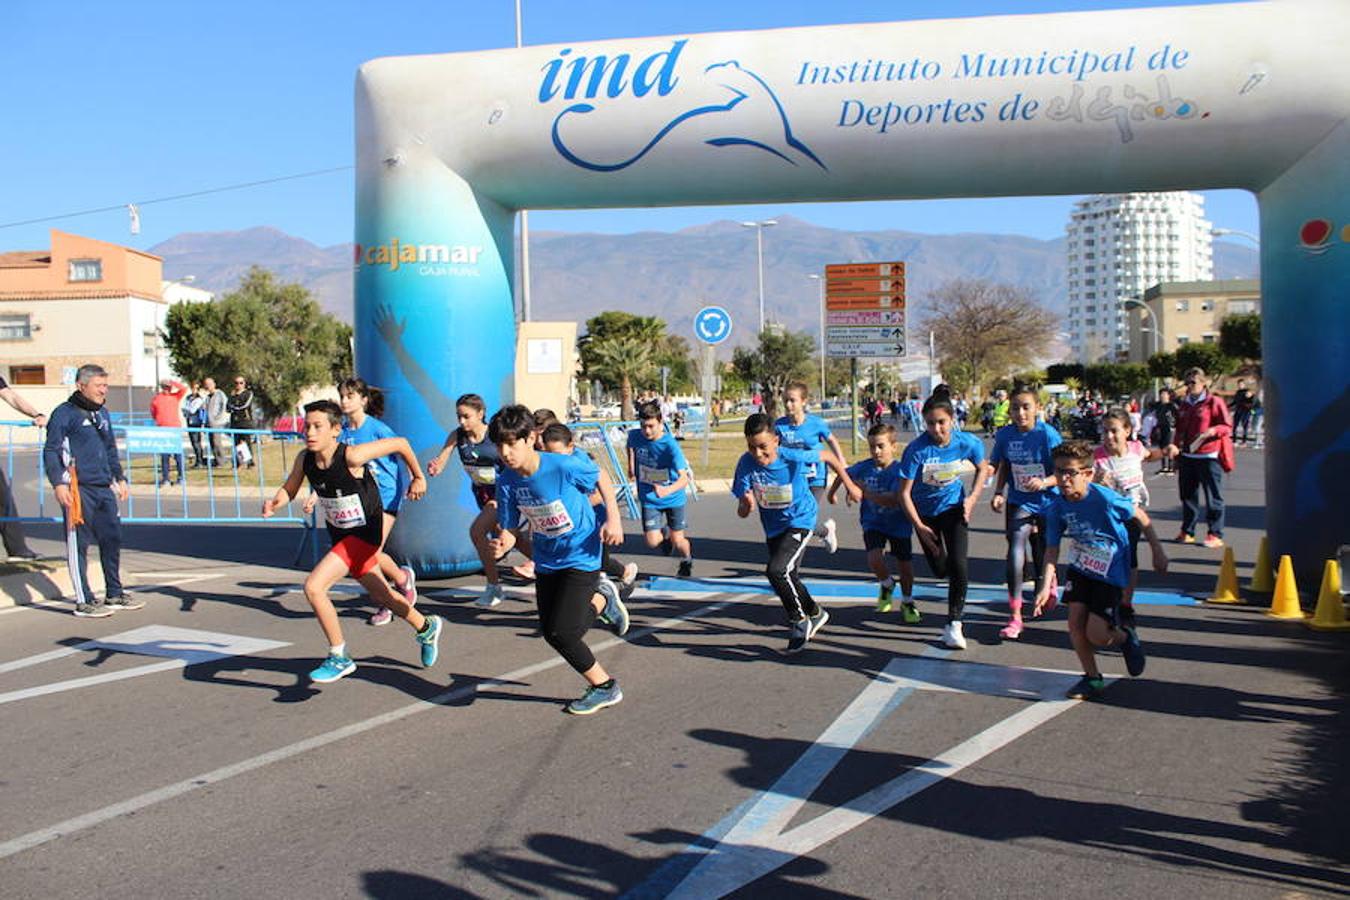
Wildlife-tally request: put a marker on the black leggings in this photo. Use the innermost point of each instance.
(608, 564)
(1025, 530)
(566, 614)
(950, 562)
(785, 560)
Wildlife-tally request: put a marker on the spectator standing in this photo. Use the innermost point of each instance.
(81, 463)
(1165, 415)
(194, 412)
(217, 417)
(165, 410)
(1203, 424)
(1244, 401)
(16, 544)
(240, 406)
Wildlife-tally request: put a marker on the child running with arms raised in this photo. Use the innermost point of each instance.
(1119, 464)
(657, 464)
(774, 480)
(884, 521)
(1094, 518)
(551, 491)
(800, 430)
(1022, 456)
(351, 503)
(935, 499)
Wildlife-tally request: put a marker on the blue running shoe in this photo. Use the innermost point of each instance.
(596, 698)
(333, 668)
(1087, 688)
(428, 637)
(1133, 651)
(615, 614)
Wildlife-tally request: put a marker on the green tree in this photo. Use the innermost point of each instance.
(1163, 365)
(990, 329)
(1115, 380)
(1240, 337)
(1209, 357)
(674, 353)
(620, 349)
(1060, 373)
(273, 334)
(781, 356)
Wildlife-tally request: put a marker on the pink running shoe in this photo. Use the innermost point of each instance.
(1012, 631)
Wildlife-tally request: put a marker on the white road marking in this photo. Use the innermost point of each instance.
(169, 792)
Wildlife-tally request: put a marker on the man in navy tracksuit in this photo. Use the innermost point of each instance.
(80, 457)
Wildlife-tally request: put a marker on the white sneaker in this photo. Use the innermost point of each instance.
(630, 574)
(952, 637)
(491, 596)
(830, 538)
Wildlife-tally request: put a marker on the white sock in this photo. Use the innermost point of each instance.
(689, 558)
(888, 582)
(338, 650)
(908, 598)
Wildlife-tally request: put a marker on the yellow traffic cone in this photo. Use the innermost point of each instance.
(1262, 581)
(1330, 614)
(1226, 590)
(1284, 603)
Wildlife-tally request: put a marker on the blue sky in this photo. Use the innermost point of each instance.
(109, 103)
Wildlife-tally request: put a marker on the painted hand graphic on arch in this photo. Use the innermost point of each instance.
(750, 115)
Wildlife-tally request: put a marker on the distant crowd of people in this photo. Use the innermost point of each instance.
(213, 420)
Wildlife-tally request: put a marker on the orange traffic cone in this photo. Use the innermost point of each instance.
(1330, 614)
(1226, 590)
(1262, 576)
(1284, 603)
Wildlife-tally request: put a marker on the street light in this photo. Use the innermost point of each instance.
(822, 333)
(759, 255)
(1135, 303)
(1220, 232)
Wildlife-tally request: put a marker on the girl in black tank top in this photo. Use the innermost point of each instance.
(351, 505)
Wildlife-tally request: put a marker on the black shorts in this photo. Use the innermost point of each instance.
(1099, 596)
(902, 548)
(1134, 530)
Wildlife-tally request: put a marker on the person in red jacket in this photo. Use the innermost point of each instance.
(1203, 423)
(165, 409)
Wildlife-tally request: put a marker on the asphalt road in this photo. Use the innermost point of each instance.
(875, 764)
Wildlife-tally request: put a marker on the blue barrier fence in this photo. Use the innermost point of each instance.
(219, 486)
(607, 441)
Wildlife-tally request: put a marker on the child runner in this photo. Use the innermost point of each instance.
(557, 438)
(361, 404)
(1022, 456)
(774, 479)
(551, 491)
(934, 498)
(883, 521)
(1119, 464)
(657, 464)
(800, 430)
(351, 503)
(1094, 518)
(480, 460)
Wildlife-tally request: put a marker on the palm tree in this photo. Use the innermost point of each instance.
(620, 348)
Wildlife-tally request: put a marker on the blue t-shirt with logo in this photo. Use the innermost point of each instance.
(657, 462)
(389, 476)
(782, 492)
(807, 436)
(889, 520)
(1028, 455)
(938, 472)
(1096, 525)
(556, 503)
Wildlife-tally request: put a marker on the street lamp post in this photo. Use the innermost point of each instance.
(822, 333)
(1221, 232)
(759, 257)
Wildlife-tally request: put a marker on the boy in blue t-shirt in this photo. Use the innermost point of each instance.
(1094, 517)
(800, 430)
(934, 497)
(552, 492)
(774, 480)
(883, 521)
(658, 467)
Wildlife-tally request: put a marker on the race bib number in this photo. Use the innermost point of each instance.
(550, 519)
(343, 512)
(1023, 473)
(649, 475)
(941, 474)
(773, 496)
(1094, 558)
(482, 474)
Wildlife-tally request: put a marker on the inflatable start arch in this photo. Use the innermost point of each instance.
(1243, 95)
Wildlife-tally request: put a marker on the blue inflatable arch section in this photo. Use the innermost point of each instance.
(1243, 95)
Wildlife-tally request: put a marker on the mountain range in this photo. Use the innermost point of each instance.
(673, 274)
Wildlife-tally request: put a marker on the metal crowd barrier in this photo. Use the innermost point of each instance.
(223, 491)
(607, 441)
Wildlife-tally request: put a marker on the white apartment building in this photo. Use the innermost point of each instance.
(1118, 246)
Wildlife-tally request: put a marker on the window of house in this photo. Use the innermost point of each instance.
(1209, 338)
(27, 375)
(16, 327)
(1182, 340)
(1183, 306)
(1242, 307)
(86, 270)
(1206, 305)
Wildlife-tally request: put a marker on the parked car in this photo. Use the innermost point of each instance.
(609, 411)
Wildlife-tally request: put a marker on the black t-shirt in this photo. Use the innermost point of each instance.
(1242, 400)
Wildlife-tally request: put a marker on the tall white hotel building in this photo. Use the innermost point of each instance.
(1118, 246)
